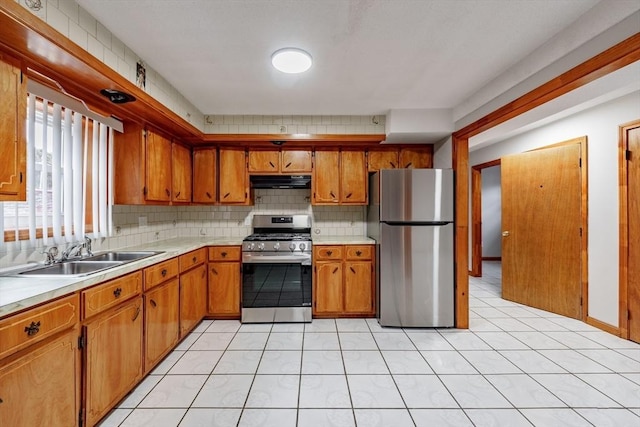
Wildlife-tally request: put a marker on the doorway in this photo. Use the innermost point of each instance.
(629, 230)
(477, 216)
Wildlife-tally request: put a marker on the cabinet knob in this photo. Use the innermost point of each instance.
(224, 254)
(194, 259)
(117, 292)
(32, 329)
(329, 253)
(164, 272)
(358, 253)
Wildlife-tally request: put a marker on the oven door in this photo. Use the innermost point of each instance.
(276, 289)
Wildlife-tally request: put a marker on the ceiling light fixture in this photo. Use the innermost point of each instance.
(291, 60)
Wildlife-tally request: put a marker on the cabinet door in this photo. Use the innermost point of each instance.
(264, 161)
(382, 160)
(415, 158)
(204, 175)
(224, 288)
(328, 287)
(42, 387)
(353, 178)
(181, 172)
(233, 177)
(13, 143)
(193, 298)
(296, 161)
(113, 363)
(326, 178)
(358, 287)
(161, 322)
(158, 161)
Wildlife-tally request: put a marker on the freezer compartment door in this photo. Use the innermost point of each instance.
(416, 281)
(416, 195)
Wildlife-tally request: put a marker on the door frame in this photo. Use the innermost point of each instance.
(623, 310)
(476, 216)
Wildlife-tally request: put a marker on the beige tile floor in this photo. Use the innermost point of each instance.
(515, 366)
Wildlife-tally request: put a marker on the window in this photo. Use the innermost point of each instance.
(67, 177)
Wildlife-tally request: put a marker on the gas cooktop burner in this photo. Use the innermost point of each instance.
(268, 237)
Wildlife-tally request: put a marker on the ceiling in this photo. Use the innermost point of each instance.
(370, 56)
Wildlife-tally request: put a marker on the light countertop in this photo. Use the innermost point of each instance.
(342, 240)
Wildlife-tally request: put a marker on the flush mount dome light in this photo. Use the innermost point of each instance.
(291, 60)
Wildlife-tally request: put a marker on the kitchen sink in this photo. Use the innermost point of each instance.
(71, 268)
(119, 256)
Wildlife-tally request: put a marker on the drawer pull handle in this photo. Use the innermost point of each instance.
(224, 254)
(177, 194)
(335, 270)
(213, 270)
(208, 194)
(358, 253)
(393, 166)
(226, 195)
(329, 253)
(164, 272)
(168, 192)
(352, 270)
(135, 316)
(287, 165)
(194, 259)
(332, 195)
(32, 329)
(349, 195)
(117, 292)
(153, 303)
(408, 165)
(272, 165)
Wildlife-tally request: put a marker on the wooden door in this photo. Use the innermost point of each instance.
(354, 179)
(161, 322)
(326, 178)
(224, 289)
(541, 223)
(193, 298)
(181, 173)
(328, 293)
(358, 287)
(113, 358)
(633, 218)
(13, 143)
(414, 158)
(264, 161)
(296, 161)
(233, 177)
(158, 161)
(379, 159)
(42, 386)
(204, 175)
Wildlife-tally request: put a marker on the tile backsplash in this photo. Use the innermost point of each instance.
(137, 225)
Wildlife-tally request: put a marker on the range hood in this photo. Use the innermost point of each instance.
(280, 181)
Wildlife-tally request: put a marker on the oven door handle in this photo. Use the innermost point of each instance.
(275, 259)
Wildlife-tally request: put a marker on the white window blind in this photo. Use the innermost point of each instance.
(66, 151)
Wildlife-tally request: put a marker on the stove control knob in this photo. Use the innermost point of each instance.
(261, 246)
(276, 246)
(302, 246)
(251, 246)
(292, 247)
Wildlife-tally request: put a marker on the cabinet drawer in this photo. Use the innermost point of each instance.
(111, 293)
(327, 252)
(224, 253)
(160, 272)
(192, 259)
(22, 330)
(359, 252)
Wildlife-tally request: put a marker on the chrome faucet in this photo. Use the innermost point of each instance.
(77, 249)
(50, 255)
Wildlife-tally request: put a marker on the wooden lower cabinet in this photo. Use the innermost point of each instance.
(161, 322)
(193, 298)
(343, 281)
(113, 358)
(224, 289)
(41, 385)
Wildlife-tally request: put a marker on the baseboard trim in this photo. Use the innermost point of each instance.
(492, 258)
(603, 326)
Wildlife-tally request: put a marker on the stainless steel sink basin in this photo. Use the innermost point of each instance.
(119, 256)
(71, 268)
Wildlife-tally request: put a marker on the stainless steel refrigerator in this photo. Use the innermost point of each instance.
(410, 215)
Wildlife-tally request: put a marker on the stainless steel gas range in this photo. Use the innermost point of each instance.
(276, 270)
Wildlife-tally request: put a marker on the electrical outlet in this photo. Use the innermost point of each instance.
(283, 129)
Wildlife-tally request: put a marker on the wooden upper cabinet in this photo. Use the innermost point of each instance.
(326, 178)
(181, 173)
(13, 143)
(279, 162)
(379, 159)
(204, 175)
(295, 161)
(419, 157)
(158, 173)
(353, 178)
(234, 179)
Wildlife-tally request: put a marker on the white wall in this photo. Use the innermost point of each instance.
(491, 213)
(600, 125)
